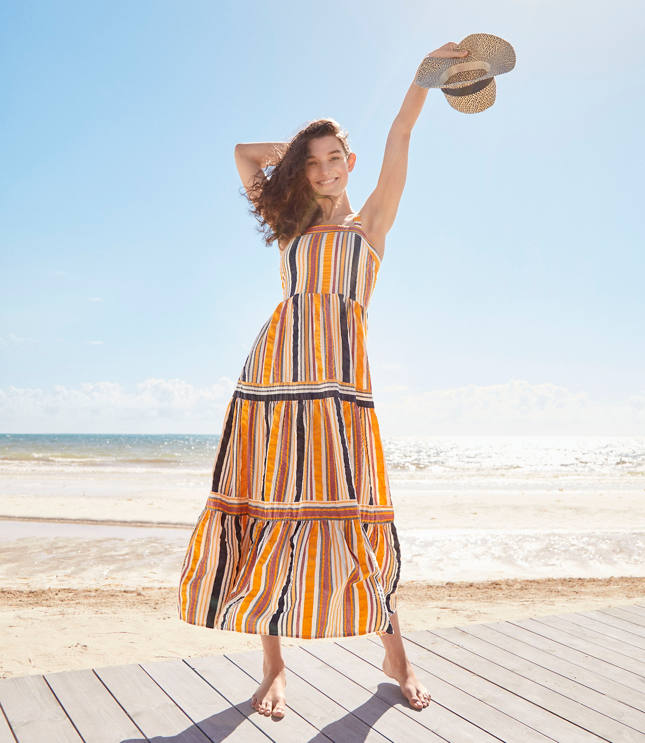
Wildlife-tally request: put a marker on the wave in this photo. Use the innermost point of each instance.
(405, 456)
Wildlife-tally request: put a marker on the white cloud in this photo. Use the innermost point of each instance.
(152, 406)
(95, 343)
(95, 299)
(517, 407)
(12, 339)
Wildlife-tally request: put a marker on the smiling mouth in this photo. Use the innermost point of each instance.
(326, 183)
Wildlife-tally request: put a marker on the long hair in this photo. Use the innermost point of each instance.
(284, 202)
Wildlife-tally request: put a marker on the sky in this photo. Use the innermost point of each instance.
(134, 278)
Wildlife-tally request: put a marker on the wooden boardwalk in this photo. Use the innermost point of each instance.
(570, 678)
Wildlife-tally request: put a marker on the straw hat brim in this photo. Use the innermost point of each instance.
(472, 77)
(474, 102)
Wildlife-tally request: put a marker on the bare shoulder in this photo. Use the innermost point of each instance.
(375, 237)
(282, 244)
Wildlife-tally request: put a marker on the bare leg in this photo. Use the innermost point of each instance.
(397, 666)
(269, 699)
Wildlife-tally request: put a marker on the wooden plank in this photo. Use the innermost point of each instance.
(584, 645)
(151, 709)
(205, 706)
(329, 717)
(569, 699)
(96, 714)
(434, 720)
(373, 710)
(33, 711)
(238, 687)
(533, 704)
(460, 691)
(583, 620)
(614, 621)
(628, 700)
(6, 736)
(541, 641)
(619, 611)
(598, 638)
(634, 609)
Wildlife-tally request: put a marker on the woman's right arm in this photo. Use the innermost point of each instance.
(252, 157)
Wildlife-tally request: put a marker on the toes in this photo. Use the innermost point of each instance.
(279, 710)
(424, 698)
(420, 700)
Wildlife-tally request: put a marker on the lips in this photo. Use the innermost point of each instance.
(326, 183)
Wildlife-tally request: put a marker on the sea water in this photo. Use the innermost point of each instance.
(449, 488)
(420, 458)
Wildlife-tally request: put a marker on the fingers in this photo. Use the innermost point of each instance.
(450, 50)
(450, 54)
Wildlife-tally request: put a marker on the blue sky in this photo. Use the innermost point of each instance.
(134, 281)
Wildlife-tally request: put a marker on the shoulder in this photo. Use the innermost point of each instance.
(375, 237)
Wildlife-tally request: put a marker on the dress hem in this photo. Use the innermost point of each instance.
(387, 631)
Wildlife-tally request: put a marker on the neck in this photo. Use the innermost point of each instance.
(336, 212)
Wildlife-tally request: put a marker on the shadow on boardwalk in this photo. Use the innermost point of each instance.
(222, 725)
(571, 678)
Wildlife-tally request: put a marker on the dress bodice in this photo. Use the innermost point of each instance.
(330, 259)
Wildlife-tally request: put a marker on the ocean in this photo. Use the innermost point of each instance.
(616, 456)
(468, 507)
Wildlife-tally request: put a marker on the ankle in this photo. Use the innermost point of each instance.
(272, 666)
(398, 663)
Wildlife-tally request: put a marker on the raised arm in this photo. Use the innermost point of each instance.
(380, 209)
(252, 157)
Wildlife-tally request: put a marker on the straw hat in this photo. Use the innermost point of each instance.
(469, 82)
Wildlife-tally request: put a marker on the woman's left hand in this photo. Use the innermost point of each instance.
(447, 51)
(451, 49)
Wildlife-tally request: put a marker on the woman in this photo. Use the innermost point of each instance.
(297, 537)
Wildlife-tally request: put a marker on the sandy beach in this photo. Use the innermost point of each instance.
(79, 592)
(64, 628)
(91, 546)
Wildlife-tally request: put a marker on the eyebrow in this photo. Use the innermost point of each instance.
(331, 152)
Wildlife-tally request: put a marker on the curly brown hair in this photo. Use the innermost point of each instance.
(283, 202)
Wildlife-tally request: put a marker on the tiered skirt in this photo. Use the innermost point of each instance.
(297, 537)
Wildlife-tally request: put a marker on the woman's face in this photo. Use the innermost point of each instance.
(326, 167)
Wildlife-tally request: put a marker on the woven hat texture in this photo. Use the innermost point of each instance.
(469, 82)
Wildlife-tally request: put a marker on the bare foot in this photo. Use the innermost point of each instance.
(411, 688)
(269, 699)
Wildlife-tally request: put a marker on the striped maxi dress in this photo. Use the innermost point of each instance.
(297, 537)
